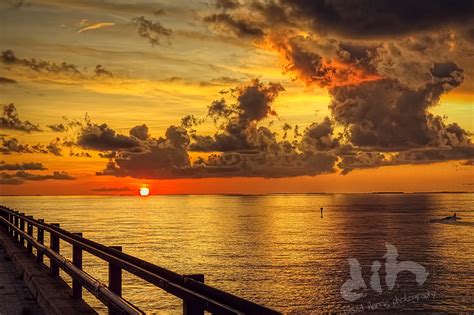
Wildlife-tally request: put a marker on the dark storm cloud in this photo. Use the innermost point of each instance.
(319, 137)
(152, 31)
(255, 100)
(239, 130)
(325, 62)
(21, 167)
(390, 116)
(103, 138)
(378, 116)
(20, 177)
(368, 18)
(162, 158)
(381, 92)
(4, 80)
(165, 161)
(225, 22)
(243, 148)
(11, 120)
(140, 132)
(352, 159)
(431, 155)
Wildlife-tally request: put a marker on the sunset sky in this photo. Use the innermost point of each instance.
(233, 96)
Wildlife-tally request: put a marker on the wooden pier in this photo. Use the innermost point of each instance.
(197, 297)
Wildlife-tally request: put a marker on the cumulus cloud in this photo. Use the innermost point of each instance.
(54, 147)
(8, 58)
(239, 130)
(80, 154)
(102, 72)
(103, 138)
(11, 120)
(20, 177)
(352, 159)
(240, 148)
(386, 115)
(50, 68)
(21, 167)
(150, 30)
(140, 132)
(14, 146)
(243, 147)
(384, 64)
(320, 137)
(66, 126)
(58, 127)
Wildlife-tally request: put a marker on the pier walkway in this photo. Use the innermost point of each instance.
(23, 239)
(15, 297)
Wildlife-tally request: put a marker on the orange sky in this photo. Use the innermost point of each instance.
(159, 83)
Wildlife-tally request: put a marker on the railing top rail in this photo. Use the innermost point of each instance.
(210, 298)
(99, 290)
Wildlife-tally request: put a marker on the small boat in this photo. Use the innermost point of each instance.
(452, 218)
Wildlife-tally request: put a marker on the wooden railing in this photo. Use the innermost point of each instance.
(197, 297)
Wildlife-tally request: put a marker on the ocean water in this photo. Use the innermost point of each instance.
(277, 250)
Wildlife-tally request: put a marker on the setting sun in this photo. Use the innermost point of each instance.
(144, 191)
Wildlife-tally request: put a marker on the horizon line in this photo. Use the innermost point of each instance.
(251, 194)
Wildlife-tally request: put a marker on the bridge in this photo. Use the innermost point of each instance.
(22, 238)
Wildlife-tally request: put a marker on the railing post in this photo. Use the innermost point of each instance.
(22, 228)
(54, 244)
(10, 219)
(115, 278)
(76, 261)
(29, 231)
(190, 308)
(15, 221)
(40, 232)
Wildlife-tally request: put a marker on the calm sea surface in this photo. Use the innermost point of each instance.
(277, 250)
